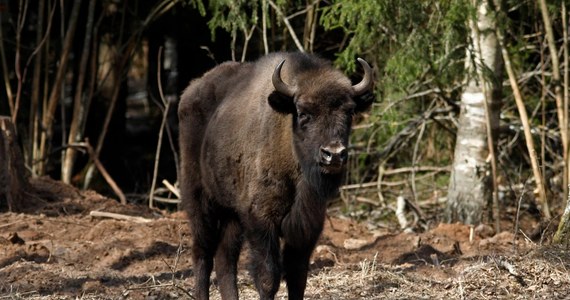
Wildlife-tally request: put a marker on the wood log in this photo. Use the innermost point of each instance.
(13, 180)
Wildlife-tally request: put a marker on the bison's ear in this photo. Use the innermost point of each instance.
(363, 102)
(281, 103)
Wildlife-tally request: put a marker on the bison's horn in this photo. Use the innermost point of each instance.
(278, 83)
(366, 83)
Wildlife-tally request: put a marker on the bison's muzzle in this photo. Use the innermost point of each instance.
(333, 158)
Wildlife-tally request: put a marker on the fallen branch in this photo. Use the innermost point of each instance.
(102, 170)
(166, 200)
(105, 174)
(171, 188)
(103, 214)
(384, 183)
(417, 169)
(10, 224)
(367, 201)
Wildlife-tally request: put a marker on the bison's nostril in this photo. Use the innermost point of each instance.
(326, 154)
(343, 154)
(335, 155)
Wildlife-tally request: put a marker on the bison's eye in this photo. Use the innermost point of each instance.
(303, 118)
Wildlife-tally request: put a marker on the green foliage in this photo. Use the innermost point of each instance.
(196, 4)
(413, 45)
(405, 38)
(232, 15)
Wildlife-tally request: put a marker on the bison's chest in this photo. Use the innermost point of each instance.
(241, 182)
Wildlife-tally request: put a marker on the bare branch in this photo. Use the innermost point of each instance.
(160, 132)
(102, 170)
(288, 25)
(524, 119)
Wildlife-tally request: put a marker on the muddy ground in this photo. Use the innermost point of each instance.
(57, 250)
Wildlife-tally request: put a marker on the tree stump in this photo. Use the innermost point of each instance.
(13, 180)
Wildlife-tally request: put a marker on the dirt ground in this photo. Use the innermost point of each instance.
(57, 250)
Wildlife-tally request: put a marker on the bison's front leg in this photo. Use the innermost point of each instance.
(296, 258)
(296, 267)
(301, 229)
(265, 266)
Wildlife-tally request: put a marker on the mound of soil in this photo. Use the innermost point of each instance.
(57, 250)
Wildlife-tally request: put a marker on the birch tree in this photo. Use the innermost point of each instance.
(470, 186)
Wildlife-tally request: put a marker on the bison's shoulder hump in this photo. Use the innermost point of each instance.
(298, 61)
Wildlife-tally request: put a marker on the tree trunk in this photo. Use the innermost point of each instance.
(54, 97)
(562, 235)
(470, 186)
(13, 182)
(80, 107)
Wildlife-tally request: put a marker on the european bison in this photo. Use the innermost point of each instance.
(263, 147)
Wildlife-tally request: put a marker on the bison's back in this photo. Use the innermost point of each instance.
(230, 136)
(197, 104)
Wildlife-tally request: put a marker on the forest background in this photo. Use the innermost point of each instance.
(469, 123)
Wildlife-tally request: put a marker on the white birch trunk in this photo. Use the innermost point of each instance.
(470, 186)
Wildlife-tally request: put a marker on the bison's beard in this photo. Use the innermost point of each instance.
(324, 180)
(325, 183)
(332, 169)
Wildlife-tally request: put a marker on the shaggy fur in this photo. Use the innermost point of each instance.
(251, 167)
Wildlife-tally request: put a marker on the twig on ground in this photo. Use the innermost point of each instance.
(103, 214)
(17, 295)
(367, 201)
(504, 264)
(10, 224)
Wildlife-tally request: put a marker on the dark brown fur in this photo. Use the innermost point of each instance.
(250, 167)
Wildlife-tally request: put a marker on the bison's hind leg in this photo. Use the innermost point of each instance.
(205, 236)
(227, 257)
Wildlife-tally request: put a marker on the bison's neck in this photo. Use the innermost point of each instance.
(302, 226)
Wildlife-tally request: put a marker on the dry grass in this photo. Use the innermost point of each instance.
(541, 274)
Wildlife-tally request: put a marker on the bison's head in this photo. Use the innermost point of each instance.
(322, 102)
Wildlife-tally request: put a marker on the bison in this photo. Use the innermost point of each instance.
(263, 147)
